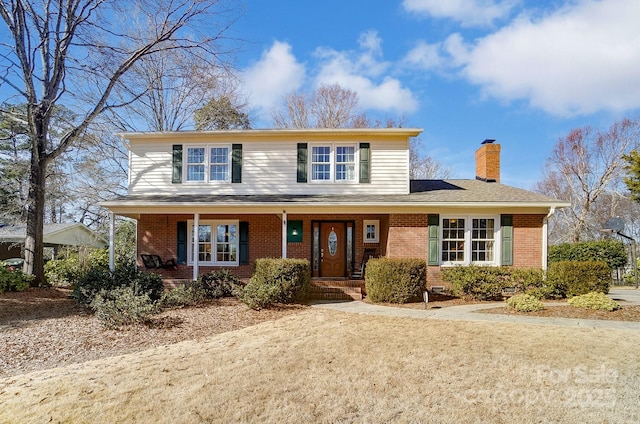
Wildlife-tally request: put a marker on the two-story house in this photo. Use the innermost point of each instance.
(328, 195)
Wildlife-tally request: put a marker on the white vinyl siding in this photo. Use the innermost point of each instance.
(268, 167)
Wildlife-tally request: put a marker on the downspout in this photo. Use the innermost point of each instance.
(196, 227)
(545, 237)
(284, 234)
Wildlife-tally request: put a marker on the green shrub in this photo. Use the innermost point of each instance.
(122, 306)
(610, 251)
(573, 278)
(13, 280)
(63, 272)
(395, 280)
(477, 282)
(189, 294)
(97, 279)
(276, 281)
(524, 303)
(594, 300)
(219, 283)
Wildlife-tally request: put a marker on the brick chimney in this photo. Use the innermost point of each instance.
(488, 162)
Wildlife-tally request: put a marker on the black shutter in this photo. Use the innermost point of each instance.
(176, 177)
(302, 162)
(181, 247)
(365, 162)
(236, 163)
(434, 242)
(244, 243)
(506, 229)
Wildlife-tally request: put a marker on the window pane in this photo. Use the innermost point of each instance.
(195, 172)
(219, 168)
(204, 243)
(321, 172)
(227, 243)
(321, 163)
(321, 154)
(195, 163)
(453, 242)
(482, 240)
(195, 155)
(345, 163)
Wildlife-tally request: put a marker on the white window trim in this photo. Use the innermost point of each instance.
(332, 163)
(468, 229)
(213, 223)
(207, 163)
(374, 222)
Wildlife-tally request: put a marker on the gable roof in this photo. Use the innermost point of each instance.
(425, 195)
(64, 234)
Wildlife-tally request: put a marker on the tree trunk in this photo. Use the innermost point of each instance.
(34, 241)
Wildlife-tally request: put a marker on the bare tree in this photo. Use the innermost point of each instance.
(584, 166)
(425, 167)
(74, 53)
(329, 106)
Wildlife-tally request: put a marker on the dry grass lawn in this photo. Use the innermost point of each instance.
(327, 366)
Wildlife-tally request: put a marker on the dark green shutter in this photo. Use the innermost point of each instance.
(434, 239)
(365, 163)
(181, 247)
(244, 243)
(236, 163)
(302, 162)
(176, 177)
(506, 229)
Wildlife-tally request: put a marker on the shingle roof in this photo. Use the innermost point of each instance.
(427, 192)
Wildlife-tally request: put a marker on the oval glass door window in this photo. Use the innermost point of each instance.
(333, 243)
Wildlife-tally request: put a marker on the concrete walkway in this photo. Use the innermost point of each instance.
(473, 313)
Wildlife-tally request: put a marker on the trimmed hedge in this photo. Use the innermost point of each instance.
(573, 278)
(395, 280)
(524, 303)
(594, 300)
(123, 306)
(487, 283)
(276, 281)
(612, 252)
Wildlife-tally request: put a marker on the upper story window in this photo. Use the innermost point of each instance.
(208, 163)
(469, 240)
(333, 163)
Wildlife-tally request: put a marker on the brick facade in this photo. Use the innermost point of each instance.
(401, 236)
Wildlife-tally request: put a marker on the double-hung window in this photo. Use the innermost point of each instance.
(468, 240)
(217, 242)
(209, 163)
(333, 163)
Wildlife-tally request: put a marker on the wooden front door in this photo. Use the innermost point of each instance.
(333, 262)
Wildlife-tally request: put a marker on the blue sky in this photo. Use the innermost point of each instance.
(522, 72)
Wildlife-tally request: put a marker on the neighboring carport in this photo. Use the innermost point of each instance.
(55, 235)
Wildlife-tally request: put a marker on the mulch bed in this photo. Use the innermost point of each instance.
(626, 313)
(44, 328)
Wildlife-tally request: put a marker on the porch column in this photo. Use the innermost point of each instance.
(112, 241)
(196, 226)
(545, 237)
(284, 234)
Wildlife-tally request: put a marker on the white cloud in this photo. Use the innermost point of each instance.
(578, 60)
(367, 74)
(467, 12)
(276, 73)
